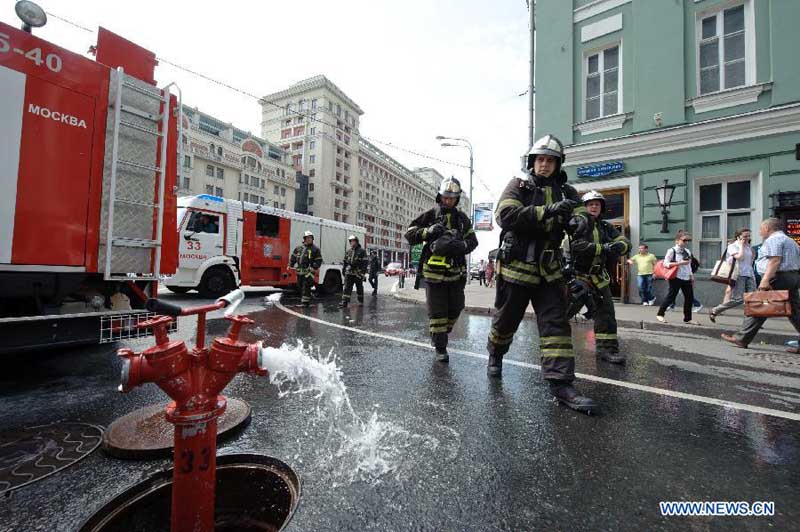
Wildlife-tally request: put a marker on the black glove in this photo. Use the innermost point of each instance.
(435, 231)
(613, 248)
(559, 208)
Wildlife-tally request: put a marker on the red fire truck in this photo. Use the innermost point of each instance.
(226, 243)
(87, 189)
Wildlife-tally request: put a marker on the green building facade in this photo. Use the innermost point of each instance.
(704, 94)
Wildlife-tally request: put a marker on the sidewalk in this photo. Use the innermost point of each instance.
(480, 300)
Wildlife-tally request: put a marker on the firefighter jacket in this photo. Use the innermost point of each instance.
(355, 262)
(589, 259)
(442, 268)
(529, 242)
(306, 258)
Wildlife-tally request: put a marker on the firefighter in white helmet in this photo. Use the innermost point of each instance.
(355, 269)
(533, 213)
(447, 237)
(306, 259)
(595, 246)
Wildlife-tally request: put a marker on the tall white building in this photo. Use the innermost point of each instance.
(350, 179)
(225, 161)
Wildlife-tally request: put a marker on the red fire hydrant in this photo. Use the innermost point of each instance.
(193, 380)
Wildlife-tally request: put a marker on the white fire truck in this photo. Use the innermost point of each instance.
(87, 199)
(226, 243)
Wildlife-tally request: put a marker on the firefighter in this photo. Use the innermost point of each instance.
(448, 237)
(355, 268)
(306, 259)
(532, 213)
(595, 243)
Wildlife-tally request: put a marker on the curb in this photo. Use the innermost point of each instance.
(712, 332)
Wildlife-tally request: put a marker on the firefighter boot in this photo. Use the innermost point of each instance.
(614, 357)
(439, 341)
(566, 394)
(495, 366)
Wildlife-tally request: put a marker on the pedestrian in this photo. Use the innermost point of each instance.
(490, 274)
(779, 265)
(739, 254)
(374, 270)
(481, 273)
(593, 243)
(354, 268)
(679, 256)
(306, 260)
(448, 237)
(645, 263)
(532, 213)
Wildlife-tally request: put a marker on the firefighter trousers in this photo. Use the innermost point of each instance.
(605, 322)
(304, 283)
(349, 281)
(445, 302)
(549, 300)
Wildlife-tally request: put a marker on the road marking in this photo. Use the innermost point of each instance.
(593, 378)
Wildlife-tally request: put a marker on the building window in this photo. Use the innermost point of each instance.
(283, 206)
(721, 50)
(311, 213)
(209, 170)
(246, 196)
(312, 159)
(219, 192)
(275, 204)
(286, 133)
(311, 145)
(210, 189)
(242, 178)
(311, 186)
(219, 151)
(723, 207)
(283, 192)
(186, 183)
(312, 173)
(312, 131)
(602, 83)
(187, 161)
(220, 173)
(277, 190)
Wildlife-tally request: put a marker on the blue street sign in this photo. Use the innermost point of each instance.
(600, 170)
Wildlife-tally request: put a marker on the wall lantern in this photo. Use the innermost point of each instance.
(664, 193)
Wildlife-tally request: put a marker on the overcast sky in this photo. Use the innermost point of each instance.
(418, 68)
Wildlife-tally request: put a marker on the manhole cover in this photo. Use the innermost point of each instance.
(32, 453)
(145, 434)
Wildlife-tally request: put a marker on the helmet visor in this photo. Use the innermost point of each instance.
(450, 189)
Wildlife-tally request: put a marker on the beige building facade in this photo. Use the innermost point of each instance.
(225, 161)
(350, 179)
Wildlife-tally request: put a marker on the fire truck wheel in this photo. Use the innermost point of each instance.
(179, 289)
(216, 282)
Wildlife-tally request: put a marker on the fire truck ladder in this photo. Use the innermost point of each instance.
(135, 204)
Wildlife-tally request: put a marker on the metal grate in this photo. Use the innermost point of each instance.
(116, 327)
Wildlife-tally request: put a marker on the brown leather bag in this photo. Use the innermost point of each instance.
(767, 304)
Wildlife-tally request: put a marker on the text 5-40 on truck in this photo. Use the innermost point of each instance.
(226, 243)
(87, 207)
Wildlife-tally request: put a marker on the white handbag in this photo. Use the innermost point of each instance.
(724, 272)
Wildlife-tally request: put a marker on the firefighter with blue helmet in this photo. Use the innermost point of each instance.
(448, 238)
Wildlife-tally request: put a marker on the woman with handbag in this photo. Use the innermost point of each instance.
(679, 257)
(739, 256)
(779, 264)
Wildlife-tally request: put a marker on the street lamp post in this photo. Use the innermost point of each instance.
(468, 145)
(664, 194)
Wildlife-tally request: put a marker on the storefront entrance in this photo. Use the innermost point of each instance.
(618, 214)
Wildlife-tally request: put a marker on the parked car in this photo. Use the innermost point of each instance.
(474, 273)
(393, 268)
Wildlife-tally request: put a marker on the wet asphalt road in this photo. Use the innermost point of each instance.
(463, 452)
